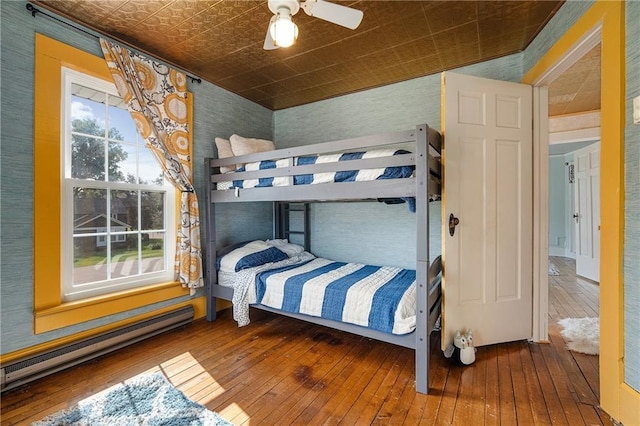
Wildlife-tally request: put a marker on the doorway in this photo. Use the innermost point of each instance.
(574, 97)
(574, 190)
(608, 21)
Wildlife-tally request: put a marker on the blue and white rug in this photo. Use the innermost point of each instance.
(145, 400)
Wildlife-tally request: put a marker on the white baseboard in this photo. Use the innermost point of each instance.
(557, 251)
(561, 252)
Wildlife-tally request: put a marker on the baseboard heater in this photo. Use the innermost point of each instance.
(25, 370)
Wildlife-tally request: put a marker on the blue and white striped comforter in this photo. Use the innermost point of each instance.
(343, 176)
(381, 298)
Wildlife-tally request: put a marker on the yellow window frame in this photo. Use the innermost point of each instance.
(50, 311)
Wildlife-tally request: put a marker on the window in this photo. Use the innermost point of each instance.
(117, 209)
(53, 225)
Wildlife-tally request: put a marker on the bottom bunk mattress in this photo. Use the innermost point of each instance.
(382, 298)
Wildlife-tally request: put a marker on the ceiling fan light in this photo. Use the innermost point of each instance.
(283, 31)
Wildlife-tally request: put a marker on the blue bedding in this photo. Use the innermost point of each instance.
(381, 298)
(398, 172)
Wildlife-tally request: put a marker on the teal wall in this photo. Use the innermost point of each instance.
(566, 16)
(217, 112)
(632, 203)
(373, 232)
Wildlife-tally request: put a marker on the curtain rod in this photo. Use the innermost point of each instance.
(35, 11)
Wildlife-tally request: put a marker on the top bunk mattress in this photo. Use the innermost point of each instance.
(393, 172)
(396, 166)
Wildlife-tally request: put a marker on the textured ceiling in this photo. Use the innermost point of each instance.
(578, 88)
(221, 41)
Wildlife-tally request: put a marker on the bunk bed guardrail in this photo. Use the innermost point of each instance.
(387, 188)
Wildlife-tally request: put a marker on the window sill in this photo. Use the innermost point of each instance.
(77, 312)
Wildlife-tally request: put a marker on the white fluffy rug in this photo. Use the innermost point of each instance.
(581, 334)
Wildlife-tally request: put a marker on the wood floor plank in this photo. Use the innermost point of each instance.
(253, 366)
(305, 374)
(347, 396)
(506, 386)
(589, 371)
(464, 400)
(384, 402)
(576, 380)
(550, 393)
(278, 370)
(450, 396)
(589, 414)
(524, 413)
(478, 394)
(334, 383)
(566, 394)
(409, 400)
(373, 394)
(491, 386)
(534, 391)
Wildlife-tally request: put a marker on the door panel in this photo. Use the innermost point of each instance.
(487, 127)
(508, 220)
(472, 241)
(587, 215)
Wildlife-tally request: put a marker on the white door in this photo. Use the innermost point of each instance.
(587, 213)
(487, 127)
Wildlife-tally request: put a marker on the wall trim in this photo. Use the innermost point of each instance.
(50, 311)
(607, 18)
(199, 306)
(580, 135)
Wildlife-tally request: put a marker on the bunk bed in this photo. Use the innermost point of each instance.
(291, 178)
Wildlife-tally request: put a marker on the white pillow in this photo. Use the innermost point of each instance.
(290, 249)
(244, 146)
(224, 151)
(255, 253)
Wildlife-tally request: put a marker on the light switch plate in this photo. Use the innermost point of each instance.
(636, 110)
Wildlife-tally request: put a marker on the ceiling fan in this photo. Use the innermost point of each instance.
(282, 32)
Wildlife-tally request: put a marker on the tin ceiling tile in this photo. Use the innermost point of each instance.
(221, 41)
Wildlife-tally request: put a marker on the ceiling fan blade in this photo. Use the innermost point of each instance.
(332, 12)
(268, 40)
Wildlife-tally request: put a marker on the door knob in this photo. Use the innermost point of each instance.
(453, 222)
(576, 216)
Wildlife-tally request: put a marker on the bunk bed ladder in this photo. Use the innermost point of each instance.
(282, 222)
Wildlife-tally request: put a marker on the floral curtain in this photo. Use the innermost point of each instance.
(156, 96)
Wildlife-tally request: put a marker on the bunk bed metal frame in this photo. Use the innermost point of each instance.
(424, 183)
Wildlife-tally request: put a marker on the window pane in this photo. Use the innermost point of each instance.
(87, 119)
(121, 226)
(87, 157)
(121, 125)
(152, 214)
(124, 256)
(124, 211)
(87, 110)
(89, 259)
(150, 170)
(153, 252)
(122, 162)
(89, 210)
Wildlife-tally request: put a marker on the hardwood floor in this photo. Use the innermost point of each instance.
(283, 371)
